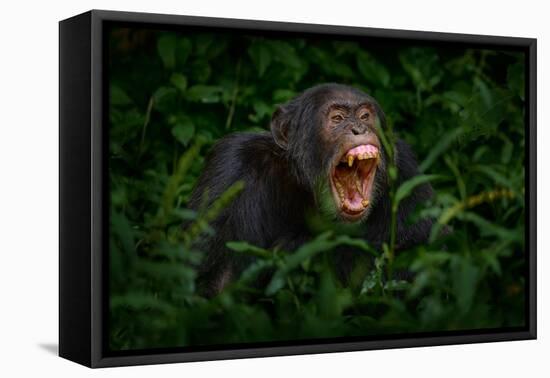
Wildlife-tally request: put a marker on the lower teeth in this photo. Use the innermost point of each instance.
(347, 205)
(345, 202)
(357, 186)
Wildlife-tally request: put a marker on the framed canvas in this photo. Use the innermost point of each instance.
(234, 188)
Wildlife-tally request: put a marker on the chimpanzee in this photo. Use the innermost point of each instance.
(324, 144)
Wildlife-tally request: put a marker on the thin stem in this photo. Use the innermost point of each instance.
(145, 123)
(233, 97)
(389, 144)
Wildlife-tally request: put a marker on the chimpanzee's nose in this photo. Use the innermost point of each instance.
(357, 129)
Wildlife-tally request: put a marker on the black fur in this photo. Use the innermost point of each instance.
(280, 171)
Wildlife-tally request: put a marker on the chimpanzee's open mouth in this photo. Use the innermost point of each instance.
(352, 179)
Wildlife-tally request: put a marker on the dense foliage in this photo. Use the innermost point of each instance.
(172, 95)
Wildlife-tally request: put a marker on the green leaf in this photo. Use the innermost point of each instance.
(285, 53)
(244, 247)
(308, 250)
(430, 260)
(330, 300)
(183, 50)
(262, 110)
(260, 55)
(484, 91)
(372, 70)
(465, 279)
(423, 67)
(162, 93)
(118, 96)
(492, 261)
(493, 174)
(408, 186)
(204, 93)
(250, 274)
(203, 42)
(185, 214)
(507, 151)
(276, 283)
(397, 285)
(164, 99)
(122, 229)
(319, 244)
(442, 145)
(357, 243)
(489, 228)
(183, 130)
(140, 302)
(516, 79)
(369, 283)
(179, 81)
(170, 191)
(166, 47)
(283, 95)
(457, 97)
(345, 72)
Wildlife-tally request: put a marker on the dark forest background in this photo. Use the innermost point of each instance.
(172, 95)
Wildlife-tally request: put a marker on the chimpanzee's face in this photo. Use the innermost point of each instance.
(349, 126)
(330, 135)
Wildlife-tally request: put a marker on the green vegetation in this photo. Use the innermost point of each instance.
(173, 95)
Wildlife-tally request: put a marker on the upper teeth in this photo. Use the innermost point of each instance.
(366, 155)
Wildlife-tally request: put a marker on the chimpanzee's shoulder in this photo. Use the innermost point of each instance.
(251, 151)
(405, 159)
(243, 141)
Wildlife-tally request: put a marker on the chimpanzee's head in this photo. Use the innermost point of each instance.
(330, 135)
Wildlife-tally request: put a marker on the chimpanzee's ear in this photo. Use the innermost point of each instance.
(280, 122)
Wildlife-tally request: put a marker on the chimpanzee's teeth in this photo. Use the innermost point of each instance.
(364, 156)
(357, 186)
(340, 190)
(347, 205)
(361, 153)
(345, 202)
(367, 155)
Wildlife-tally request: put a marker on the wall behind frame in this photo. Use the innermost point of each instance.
(29, 201)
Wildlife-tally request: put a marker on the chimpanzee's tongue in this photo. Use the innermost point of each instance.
(354, 201)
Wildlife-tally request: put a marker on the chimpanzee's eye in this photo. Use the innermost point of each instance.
(365, 116)
(337, 118)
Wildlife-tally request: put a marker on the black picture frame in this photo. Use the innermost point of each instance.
(83, 229)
